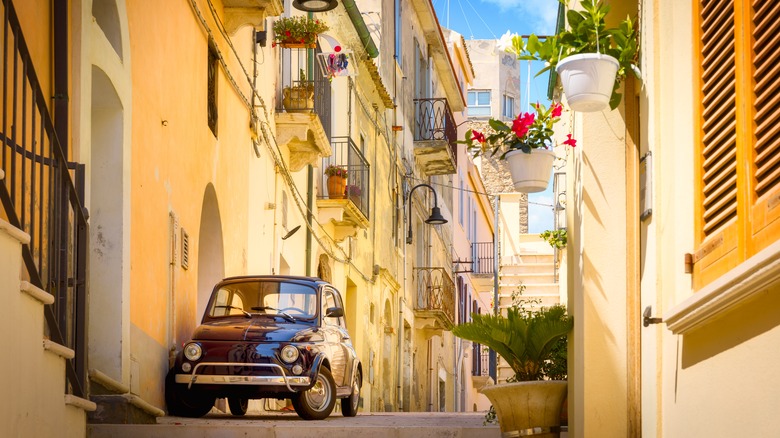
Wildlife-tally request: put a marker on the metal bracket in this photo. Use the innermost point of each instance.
(647, 319)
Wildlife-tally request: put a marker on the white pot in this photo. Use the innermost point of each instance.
(530, 172)
(588, 80)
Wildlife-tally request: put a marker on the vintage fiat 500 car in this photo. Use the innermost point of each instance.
(268, 337)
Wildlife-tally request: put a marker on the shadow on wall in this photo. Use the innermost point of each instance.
(738, 326)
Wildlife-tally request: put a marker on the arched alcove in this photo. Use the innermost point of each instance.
(107, 320)
(107, 17)
(211, 254)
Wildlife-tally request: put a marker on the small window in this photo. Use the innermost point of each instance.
(479, 103)
(508, 107)
(213, 67)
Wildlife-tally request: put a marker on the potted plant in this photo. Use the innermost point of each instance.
(556, 238)
(590, 58)
(526, 145)
(527, 340)
(337, 181)
(299, 31)
(353, 193)
(300, 95)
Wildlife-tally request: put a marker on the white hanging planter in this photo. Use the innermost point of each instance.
(530, 172)
(588, 80)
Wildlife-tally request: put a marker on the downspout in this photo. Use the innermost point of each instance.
(361, 28)
(309, 175)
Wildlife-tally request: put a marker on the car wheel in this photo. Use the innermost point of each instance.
(349, 405)
(183, 402)
(238, 406)
(318, 401)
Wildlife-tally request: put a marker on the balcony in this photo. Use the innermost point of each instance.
(480, 264)
(434, 305)
(480, 365)
(348, 210)
(303, 110)
(240, 13)
(435, 134)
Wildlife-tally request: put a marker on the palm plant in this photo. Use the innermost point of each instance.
(524, 339)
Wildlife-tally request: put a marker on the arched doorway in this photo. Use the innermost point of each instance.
(211, 254)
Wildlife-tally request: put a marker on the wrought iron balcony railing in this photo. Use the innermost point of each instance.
(434, 121)
(480, 365)
(435, 295)
(303, 88)
(347, 156)
(38, 196)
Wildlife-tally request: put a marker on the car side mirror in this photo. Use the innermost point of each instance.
(334, 312)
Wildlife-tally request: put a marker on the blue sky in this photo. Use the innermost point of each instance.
(489, 19)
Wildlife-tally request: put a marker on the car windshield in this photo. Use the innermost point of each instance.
(263, 297)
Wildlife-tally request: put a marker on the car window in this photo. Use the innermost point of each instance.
(264, 297)
(330, 299)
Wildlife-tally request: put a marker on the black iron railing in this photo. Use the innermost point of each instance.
(303, 88)
(435, 293)
(482, 257)
(347, 156)
(38, 196)
(434, 121)
(480, 362)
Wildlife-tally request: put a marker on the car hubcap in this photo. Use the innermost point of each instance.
(318, 395)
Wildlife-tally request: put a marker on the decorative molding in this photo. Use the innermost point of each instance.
(727, 292)
(304, 136)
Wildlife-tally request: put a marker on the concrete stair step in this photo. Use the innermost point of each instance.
(523, 258)
(528, 268)
(526, 278)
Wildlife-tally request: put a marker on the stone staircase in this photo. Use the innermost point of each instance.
(533, 268)
(35, 402)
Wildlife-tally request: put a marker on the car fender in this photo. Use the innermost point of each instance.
(315, 370)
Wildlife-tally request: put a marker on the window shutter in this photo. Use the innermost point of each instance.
(766, 116)
(717, 158)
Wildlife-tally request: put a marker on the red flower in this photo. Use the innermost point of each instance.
(521, 124)
(478, 136)
(557, 109)
(571, 142)
(287, 33)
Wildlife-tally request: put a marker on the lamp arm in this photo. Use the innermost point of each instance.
(409, 218)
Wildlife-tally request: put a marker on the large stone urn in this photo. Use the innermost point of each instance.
(528, 408)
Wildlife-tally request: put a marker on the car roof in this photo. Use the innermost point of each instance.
(315, 280)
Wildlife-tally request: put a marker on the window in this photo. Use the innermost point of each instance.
(460, 203)
(736, 206)
(508, 107)
(213, 67)
(479, 103)
(398, 32)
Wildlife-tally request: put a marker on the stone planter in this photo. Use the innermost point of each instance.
(530, 172)
(528, 408)
(588, 80)
(299, 98)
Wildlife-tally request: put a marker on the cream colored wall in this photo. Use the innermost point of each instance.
(597, 278)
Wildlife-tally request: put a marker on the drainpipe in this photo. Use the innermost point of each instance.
(361, 28)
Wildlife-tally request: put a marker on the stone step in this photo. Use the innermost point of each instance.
(530, 289)
(527, 278)
(528, 268)
(523, 258)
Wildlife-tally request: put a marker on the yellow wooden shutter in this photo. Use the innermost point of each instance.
(765, 191)
(717, 143)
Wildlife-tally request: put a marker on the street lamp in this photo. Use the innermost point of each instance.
(435, 219)
(315, 5)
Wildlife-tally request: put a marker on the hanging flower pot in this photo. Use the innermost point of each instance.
(588, 80)
(530, 171)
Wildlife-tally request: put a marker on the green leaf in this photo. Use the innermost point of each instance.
(498, 125)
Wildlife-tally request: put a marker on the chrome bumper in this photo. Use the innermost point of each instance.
(209, 379)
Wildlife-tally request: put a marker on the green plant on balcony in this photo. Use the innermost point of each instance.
(300, 95)
(555, 238)
(298, 31)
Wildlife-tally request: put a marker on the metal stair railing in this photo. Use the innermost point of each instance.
(38, 195)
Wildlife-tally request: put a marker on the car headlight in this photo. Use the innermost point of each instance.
(192, 351)
(289, 353)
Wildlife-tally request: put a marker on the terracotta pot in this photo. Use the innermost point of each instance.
(530, 172)
(336, 187)
(528, 408)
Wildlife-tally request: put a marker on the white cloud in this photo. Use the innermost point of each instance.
(538, 16)
(540, 217)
